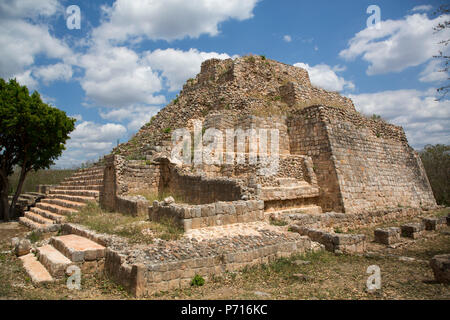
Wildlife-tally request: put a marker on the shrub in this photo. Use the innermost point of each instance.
(197, 281)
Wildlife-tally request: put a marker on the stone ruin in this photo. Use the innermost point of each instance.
(335, 168)
(330, 157)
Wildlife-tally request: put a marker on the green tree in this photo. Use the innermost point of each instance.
(436, 160)
(443, 10)
(32, 136)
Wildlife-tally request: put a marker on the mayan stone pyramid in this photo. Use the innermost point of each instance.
(331, 157)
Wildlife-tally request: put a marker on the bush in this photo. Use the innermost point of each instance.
(436, 161)
(197, 281)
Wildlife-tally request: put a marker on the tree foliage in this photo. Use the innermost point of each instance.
(436, 160)
(32, 136)
(443, 55)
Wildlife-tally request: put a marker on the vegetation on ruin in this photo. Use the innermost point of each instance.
(135, 229)
(436, 161)
(197, 281)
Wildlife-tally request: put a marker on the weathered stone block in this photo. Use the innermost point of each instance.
(441, 267)
(387, 236)
(412, 230)
(432, 223)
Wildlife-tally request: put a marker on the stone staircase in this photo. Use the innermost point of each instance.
(51, 262)
(65, 199)
(291, 196)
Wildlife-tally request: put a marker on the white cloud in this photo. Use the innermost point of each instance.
(135, 116)
(22, 41)
(169, 19)
(59, 71)
(424, 7)
(118, 77)
(325, 77)
(89, 141)
(398, 44)
(28, 8)
(177, 66)
(425, 120)
(287, 38)
(26, 79)
(432, 72)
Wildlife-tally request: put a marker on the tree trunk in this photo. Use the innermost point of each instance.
(12, 208)
(4, 188)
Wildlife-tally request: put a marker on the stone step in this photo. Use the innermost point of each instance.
(68, 197)
(74, 188)
(83, 183)
(300, 191)
(84, 178)
(55, 262)
(31, 224)
(56, 208)
(64, 203)
(79, 193)
(37, 218)
(35, 269)
(78, 249)
(307, 209)
(90, 169)
(38, 226)
(49, 215)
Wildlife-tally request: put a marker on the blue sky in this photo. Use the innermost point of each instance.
(130, 58)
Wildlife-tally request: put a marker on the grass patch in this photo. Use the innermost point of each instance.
(135, 229)
(160, 196)
(279, 223)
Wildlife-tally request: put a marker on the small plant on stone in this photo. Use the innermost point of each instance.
(338, 230)
(167, 130)
(263, 57)
(197, 281)
(34, 236)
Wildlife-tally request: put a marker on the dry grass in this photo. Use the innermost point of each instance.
(135, 229)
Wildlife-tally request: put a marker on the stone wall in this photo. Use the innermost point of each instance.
(308, 136)
(347, 221)
(208, 215)
(361, 164)
(376, 167)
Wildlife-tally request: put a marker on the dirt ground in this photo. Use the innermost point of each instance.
(405, 274)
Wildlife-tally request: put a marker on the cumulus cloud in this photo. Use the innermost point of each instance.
(89, 141)
(31, 9)
(135, 116)
(177, 66)
(432, 72)
(323, 76)
(118, 77)
(425, 120)
(169, 19)
(424, 7)
(21, 42)
(287, 38)
(59, 71)
(398, 44)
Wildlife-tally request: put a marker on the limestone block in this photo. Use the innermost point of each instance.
(441, 267)
(412, 230)
(432, 223)
(387, 236)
